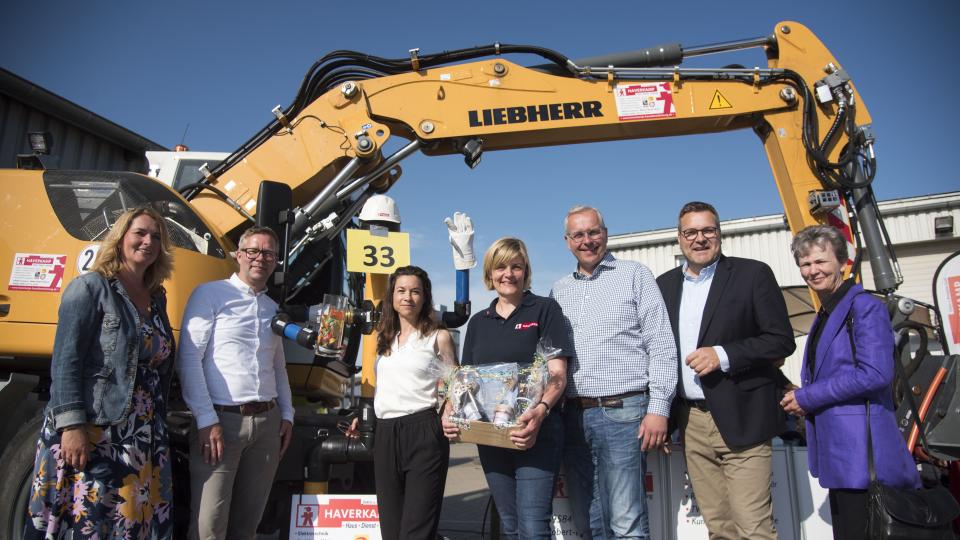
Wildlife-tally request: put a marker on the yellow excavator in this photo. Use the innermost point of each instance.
(309, 172)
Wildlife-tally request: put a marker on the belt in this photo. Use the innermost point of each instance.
(613, 402)
(248, 409)
(699, 404)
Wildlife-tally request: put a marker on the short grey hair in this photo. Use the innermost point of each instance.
(582, 208)
(820, 236)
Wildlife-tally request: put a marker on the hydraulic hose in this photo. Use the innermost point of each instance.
(905, 327)
(340, 66)
(191, 190)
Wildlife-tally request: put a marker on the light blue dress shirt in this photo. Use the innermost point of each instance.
(692, 302)
(622, 337)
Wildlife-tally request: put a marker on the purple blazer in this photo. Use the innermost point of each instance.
(834, 400)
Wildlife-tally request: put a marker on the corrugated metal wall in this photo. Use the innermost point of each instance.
(80, 138)
(918, 262)
(75, 148)
(766, 238)
(771, 247)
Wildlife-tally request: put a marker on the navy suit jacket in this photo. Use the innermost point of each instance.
(746, 315)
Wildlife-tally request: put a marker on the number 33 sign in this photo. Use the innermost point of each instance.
(377, 254)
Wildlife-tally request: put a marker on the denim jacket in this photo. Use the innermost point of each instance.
(95, 353)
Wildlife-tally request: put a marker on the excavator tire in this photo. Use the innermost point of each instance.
(16, 468)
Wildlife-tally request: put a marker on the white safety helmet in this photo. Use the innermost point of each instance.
(380, 208)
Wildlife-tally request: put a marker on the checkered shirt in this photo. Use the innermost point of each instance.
(621, 333)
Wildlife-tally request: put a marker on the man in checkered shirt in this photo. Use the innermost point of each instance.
(621, 380)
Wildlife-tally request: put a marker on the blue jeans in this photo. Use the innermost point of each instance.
(605, 469)
(527, 477)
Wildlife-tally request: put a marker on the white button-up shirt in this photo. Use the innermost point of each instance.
(228, 355)
(692, 302)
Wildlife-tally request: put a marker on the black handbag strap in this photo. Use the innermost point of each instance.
(853, 352)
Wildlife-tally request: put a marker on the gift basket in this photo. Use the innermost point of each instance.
(489, 399)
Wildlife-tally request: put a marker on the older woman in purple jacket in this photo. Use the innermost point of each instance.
(838, 379)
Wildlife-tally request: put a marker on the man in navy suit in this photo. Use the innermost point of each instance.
(732, 329)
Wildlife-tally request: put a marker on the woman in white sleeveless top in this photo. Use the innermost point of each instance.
(411, 452)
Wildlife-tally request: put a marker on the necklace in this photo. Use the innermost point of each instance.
(138, 294)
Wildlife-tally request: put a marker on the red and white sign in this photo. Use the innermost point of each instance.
(564, 528)
(953, 289)
(37, 272)
(839, 218)
(644, 101)
(946, 282)
(341, 517)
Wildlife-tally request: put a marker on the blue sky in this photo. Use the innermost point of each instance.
(222, 66)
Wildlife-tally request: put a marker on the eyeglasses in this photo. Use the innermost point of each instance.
(709, 233)
(253, 253)
(593, 234)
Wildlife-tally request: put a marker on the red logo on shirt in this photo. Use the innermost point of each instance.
(525, 325)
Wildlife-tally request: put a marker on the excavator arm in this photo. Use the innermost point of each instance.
(331, 149)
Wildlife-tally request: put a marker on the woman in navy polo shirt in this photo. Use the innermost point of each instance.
(508, 331)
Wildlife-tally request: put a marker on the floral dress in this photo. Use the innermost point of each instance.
(126, 489)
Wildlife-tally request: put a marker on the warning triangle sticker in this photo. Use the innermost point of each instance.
(719, 102)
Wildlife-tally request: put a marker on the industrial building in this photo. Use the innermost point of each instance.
(41, 126)
(923, 229)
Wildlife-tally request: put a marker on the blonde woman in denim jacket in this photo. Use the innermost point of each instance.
(102, 468)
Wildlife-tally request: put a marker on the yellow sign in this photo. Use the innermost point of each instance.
(377, 254)
(719, 102)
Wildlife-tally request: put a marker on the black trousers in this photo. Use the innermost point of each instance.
(410, 461)
(848, 509)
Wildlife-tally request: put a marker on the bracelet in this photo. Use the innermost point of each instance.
(546, 406)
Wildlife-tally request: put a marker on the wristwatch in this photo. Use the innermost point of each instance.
(546, 406)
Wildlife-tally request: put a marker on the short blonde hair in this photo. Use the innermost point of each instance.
(109, 259)
(500, 253)
(256, 229)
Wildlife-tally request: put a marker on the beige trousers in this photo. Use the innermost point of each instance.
(227, 499)
(732, 486)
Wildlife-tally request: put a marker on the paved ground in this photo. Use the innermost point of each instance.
(465, 513)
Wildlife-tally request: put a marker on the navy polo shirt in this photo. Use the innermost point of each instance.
(491, 338)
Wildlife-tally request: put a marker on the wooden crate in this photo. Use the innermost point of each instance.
(488, 434)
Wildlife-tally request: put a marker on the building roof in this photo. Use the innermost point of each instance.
(776, 222)
(30, 94)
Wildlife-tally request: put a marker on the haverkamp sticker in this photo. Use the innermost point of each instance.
(37, 272)
(640, 101)
(346, 517)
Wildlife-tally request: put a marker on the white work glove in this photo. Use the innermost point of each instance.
(460, 229)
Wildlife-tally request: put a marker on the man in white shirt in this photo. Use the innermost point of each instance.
(234, 380)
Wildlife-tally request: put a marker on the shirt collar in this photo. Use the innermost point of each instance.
(608, 261)
(831, 302)
(706, 273)
(242, 285)
(491, 310)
